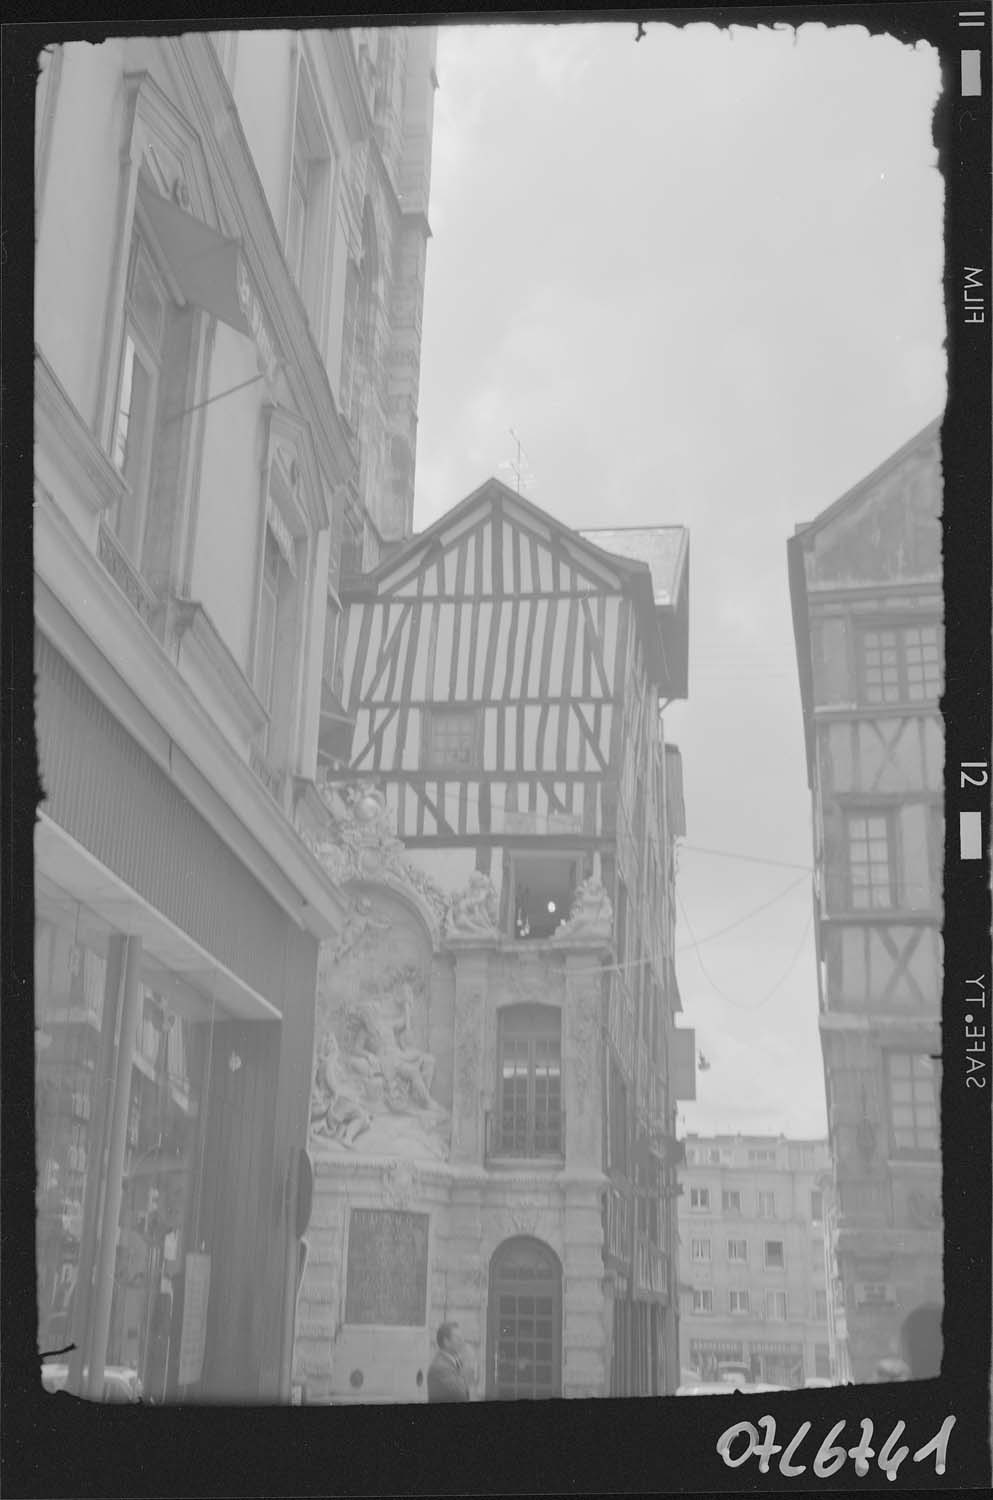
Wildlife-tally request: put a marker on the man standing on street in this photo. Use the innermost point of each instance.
(446, 1379)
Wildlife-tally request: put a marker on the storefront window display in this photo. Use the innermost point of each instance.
(75, 1056)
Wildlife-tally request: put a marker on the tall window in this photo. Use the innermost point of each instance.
(265, 642)
(308, 207)
(617, 1120)
(870, 861)
(738, 1251)
(913, 1088)
(703, 1300)
(774, 1255)
(145, 312)
(776, 1306)
(700, 1198)
(530, 1119)
(700, 1249)
(738, 1301)
(816, 1205)
(766, 1205)
(900, 664)
(731, 1201)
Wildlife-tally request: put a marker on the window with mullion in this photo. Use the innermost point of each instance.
(530, 1112)
(145, 313)
(900, 663)
(871, 883)
(914, 1089)
(265, 646)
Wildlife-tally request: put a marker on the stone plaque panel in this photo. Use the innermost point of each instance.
(387, 1268)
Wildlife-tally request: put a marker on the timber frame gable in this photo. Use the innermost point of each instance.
(486, 666)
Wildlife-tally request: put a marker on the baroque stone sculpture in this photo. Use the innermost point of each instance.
(591, 916)
(361, 845)
(372, 1090)
(475, 911)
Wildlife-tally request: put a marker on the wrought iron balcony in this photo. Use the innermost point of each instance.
(531, 1137)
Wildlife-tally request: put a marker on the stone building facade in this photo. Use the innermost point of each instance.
(752, 1258)
(496, 1059)
(199, 202)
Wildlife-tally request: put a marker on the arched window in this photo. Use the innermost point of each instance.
(524, 1334)
(529, 1120)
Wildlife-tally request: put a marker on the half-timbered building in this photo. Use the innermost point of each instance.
(503, 678)
(865, 578)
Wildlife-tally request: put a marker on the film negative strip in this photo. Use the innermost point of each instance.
(465, 965)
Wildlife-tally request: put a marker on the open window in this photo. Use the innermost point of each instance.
(289, 626)
(542, 886)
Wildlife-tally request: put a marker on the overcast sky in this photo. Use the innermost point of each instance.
(700, 276)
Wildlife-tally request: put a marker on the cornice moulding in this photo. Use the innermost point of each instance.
(61, 431)
(92, 598)
(189, 620)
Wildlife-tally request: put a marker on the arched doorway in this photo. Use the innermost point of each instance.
(524, 1325)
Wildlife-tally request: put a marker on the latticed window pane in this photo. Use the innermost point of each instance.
(913, 1086)
(922, 663)
(530, 1112)
(881, 670)
(452, 738)
(868, 862)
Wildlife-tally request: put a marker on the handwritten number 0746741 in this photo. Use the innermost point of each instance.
(831, 1455)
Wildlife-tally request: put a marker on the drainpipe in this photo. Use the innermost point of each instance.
(121, 1099)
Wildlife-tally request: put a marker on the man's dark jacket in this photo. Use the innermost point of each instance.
(446, 1381)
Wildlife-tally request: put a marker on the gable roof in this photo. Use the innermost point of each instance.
(803, 537)
(663, 548)
(864, 487)
(648, 563)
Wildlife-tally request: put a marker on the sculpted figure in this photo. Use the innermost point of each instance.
(360, 923)
(336, 1110)
(591, 915)
(382, 1050)
(475, 911)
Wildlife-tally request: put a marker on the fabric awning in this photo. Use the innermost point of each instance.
(210, 271)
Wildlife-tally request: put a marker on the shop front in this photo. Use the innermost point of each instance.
(174, 1005)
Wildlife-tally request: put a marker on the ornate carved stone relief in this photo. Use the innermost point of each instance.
(591, 916)
(474, 911)
(362, 846)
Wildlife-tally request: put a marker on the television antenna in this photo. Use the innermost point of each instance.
(519, 467)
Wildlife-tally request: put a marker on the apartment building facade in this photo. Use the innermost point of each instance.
(752, 1258)
(497, 1062)
(865, 578)
(194, 466)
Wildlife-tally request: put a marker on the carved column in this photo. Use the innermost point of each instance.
(582, 1050)
(469, 1053)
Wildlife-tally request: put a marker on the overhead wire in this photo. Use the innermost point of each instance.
(747, 917)
(769, 995)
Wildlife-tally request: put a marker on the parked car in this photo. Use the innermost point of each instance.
(120, 1385)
